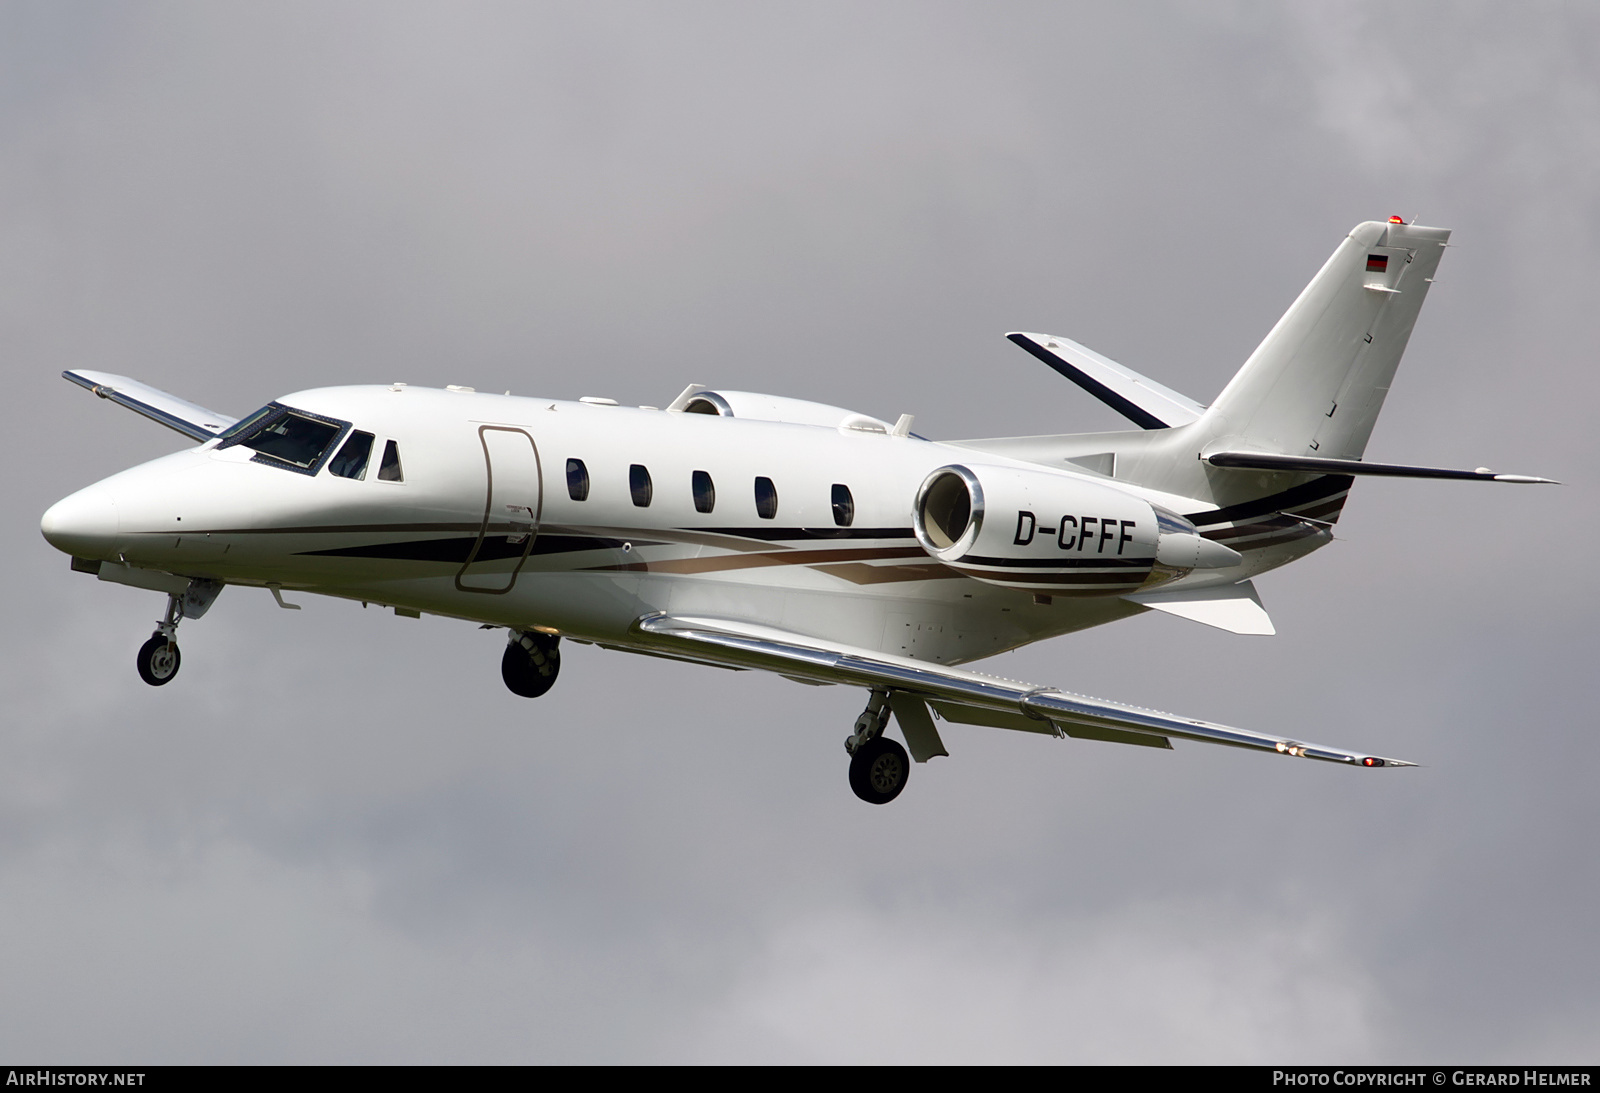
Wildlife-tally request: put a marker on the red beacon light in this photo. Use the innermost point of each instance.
(1397, 220)
(1370, 761)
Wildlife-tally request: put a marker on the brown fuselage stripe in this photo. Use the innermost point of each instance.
(860, 573)
(1332, 508)
(722, 562)
(1265, 527)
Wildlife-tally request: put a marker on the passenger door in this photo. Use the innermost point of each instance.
(512, 504)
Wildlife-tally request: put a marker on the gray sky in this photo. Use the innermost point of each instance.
(338, 838)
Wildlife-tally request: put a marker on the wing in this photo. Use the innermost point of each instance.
(1138, 398)
(170, 410)
(957, 693)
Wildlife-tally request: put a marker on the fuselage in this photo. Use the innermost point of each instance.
(580, 518)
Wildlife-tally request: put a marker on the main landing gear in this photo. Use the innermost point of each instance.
(879, 766)
(531, 662)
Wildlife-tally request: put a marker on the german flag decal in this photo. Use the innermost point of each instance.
(1377, 263)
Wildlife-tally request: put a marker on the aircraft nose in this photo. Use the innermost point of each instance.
(84, 525)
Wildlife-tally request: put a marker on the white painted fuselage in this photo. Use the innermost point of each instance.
(482, 525)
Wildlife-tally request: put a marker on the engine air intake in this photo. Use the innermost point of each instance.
(944, 511)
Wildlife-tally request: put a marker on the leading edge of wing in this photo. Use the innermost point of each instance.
(1140, 399)
(745, 645)
(181, 415)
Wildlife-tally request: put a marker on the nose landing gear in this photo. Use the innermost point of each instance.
(879, 766)
(530, 663)
(158, 658)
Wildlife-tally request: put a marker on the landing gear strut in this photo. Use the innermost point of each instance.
(158, 658)
(531, 663)
(879, 766)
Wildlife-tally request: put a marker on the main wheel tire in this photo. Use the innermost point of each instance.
(158, 660)
(879, 770)
(531, 673)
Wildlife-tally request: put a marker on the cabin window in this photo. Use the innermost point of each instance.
(351, 462)
(577, 480)
(844, 506)
(389, 470)
(639, 485)
(705, 492)
(766, 499)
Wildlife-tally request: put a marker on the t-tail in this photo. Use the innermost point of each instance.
(1266, 468)
(1314, 386)
(1289, 431)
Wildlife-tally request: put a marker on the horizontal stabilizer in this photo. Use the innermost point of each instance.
(1234, 607)
(175, 413)
(1266, 461)
(735, 643)
(1142, 401)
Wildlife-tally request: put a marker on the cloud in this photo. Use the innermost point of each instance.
(335, 837)
(1149, 984)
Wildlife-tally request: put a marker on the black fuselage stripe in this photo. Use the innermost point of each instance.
(1090, 562)
(1312, 491)
(458, 549)
(778, 534)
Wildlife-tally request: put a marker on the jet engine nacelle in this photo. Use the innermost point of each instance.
(1055, 534)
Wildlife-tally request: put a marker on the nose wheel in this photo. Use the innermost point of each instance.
(158, 659)
(531, 663)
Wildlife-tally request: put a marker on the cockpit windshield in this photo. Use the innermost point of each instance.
(285, 437)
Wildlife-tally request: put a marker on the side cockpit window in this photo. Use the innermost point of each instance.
(282, 436)
(351, 462)
(389, 470)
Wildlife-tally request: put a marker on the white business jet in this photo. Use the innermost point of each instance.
(752, 531)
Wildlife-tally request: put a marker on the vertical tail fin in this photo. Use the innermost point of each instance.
(1317, 381)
